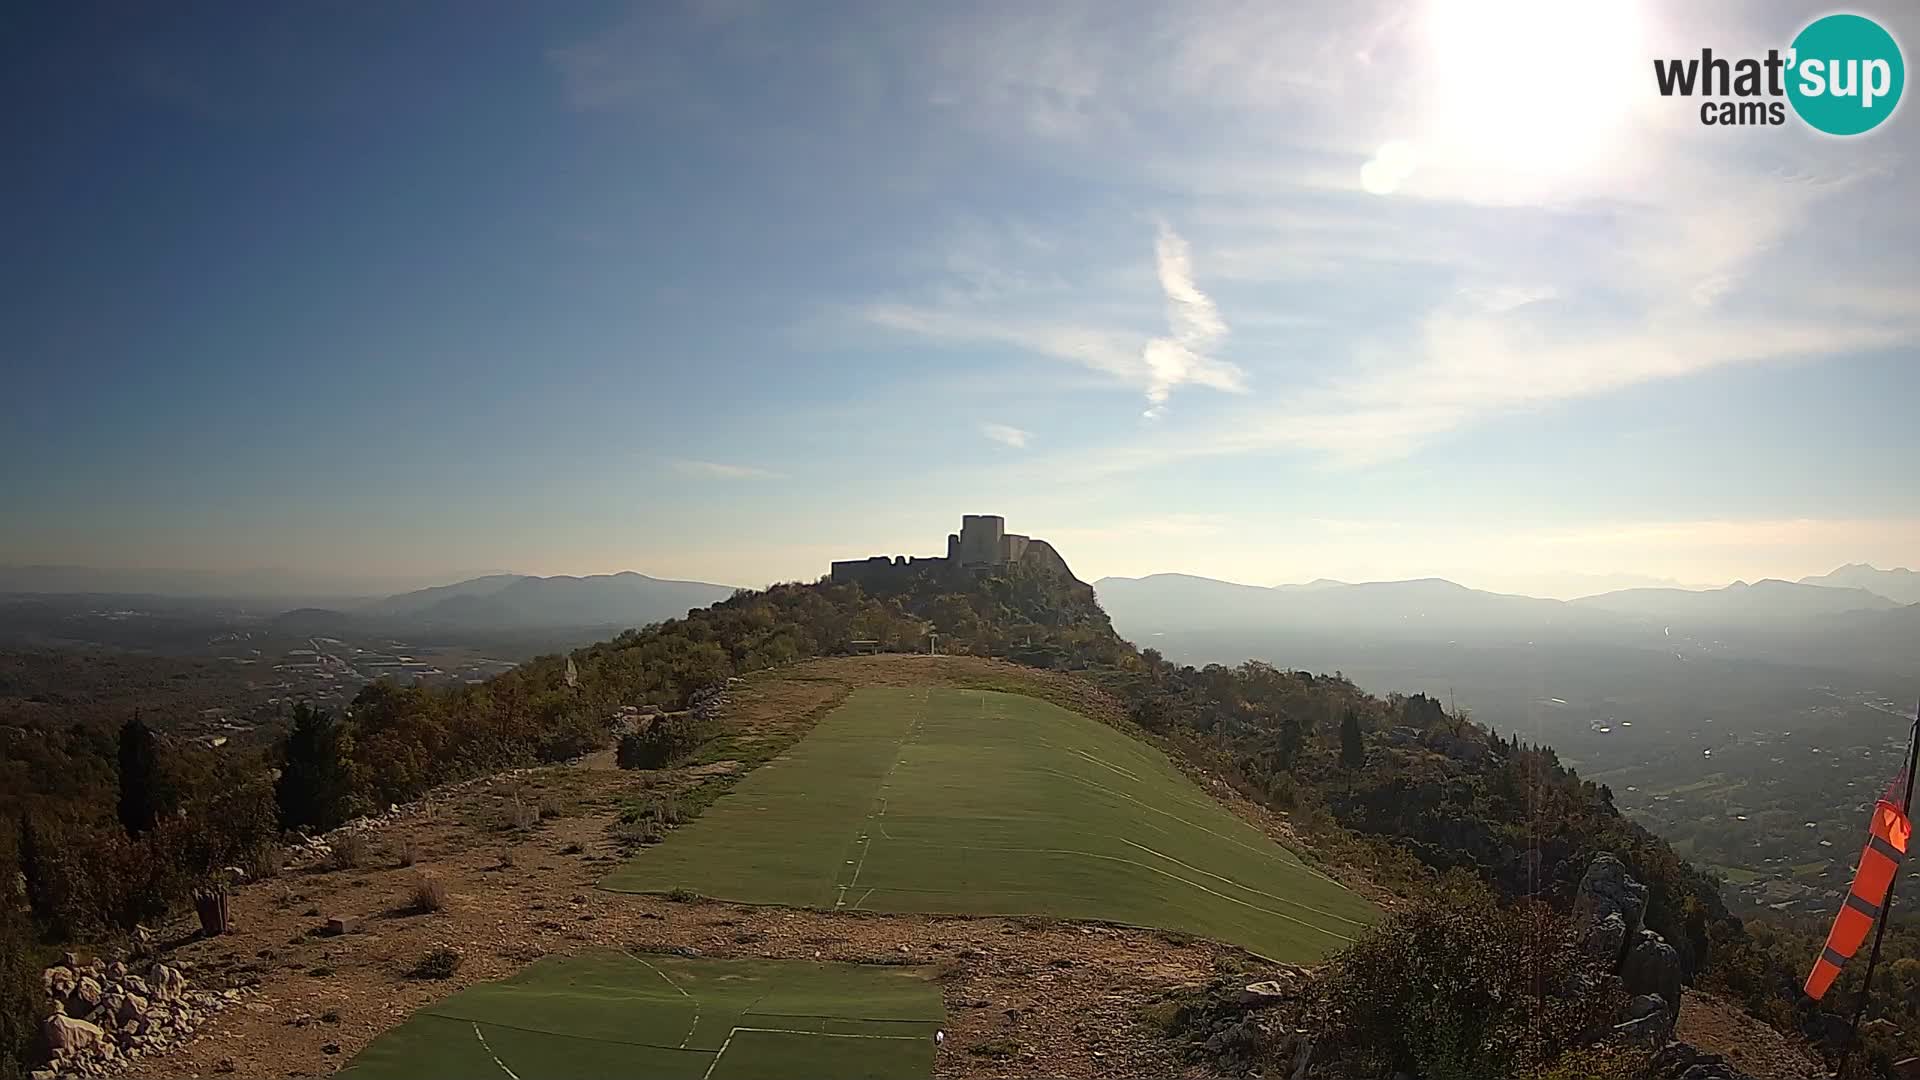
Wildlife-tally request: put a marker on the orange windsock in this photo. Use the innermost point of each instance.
(1879, 862)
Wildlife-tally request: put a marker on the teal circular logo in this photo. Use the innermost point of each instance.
(1845, 74)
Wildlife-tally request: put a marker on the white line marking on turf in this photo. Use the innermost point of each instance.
(874, 816)
(1165, 874)
(718, 1054)
(491, 1054)
(833, 1034)
(1271, 852)
(728, 1041)
(1238, 885)
(683, 993)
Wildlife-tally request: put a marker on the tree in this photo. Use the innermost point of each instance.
(32, 856)
(22, 999)
(1353, 750)
(139, 778)
(315, 788)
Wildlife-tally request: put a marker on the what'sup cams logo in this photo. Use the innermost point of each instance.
(1842, 75)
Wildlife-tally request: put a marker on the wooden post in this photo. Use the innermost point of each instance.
(211, 905)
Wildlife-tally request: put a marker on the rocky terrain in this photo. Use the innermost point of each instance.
(106, 1017)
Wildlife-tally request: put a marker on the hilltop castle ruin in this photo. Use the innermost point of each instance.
(982, 546)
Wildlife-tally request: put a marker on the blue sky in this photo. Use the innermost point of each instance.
(726, 290)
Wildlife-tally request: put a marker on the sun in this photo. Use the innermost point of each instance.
(1538, 88)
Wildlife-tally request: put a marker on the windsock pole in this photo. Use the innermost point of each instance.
(1873, 958)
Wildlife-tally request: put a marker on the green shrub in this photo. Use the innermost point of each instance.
(429, 894)
(518, 815)
(22, 1002)
(666, 740)
(349, 851)
(1001, 1049)
(438, 963)
(1603, 1061)
(1458, 988)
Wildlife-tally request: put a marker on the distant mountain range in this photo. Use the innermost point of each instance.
(1829, 625)
(1769, 599)
(1899, 584)
(248, 584)
(517, 602)
(1184, 602)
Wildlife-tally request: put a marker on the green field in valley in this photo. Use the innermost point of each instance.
(976, 802)
(670, 1018)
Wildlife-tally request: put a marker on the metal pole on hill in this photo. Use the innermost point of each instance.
(1886, 909)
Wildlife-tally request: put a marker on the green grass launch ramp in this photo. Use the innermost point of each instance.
(984, 803)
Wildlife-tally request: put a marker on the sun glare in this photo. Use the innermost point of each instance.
(1532, 89)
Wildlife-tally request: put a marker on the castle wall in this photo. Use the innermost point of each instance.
(882, 573)
(1040, 555)
(981, 537)
(1014, 549)
(981, 545)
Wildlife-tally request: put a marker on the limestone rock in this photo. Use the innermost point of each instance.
(1679, 1061)
(133, 1014)
(1881, 1026)
(1607, 889)
(167, 982)
(1646, 1031)
(1262, 994)
(58, 980)
(64, 1033)
(84, 998)
(1605, 940)
(1649, 1021)
(1652, 967)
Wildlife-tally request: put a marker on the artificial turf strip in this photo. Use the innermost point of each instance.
(605, 1013)
(983, 803)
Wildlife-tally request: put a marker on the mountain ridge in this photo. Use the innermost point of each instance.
(1898, 584)
(521, 601)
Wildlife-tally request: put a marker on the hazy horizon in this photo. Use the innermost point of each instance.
(294, 582)
(723, 292)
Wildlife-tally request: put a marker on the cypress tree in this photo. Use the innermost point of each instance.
(316, 781)
(139, 778)
(1353, 750)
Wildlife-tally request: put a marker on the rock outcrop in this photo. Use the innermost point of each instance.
(1609, 908)
(1679, 1061)
(1609, 913)
(1653, 967)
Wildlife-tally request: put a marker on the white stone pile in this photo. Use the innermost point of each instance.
(104, 1015)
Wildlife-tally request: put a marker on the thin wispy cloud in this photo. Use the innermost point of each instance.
(1087, 325)
(1006, 435)
(718, 470)
(1196, 329)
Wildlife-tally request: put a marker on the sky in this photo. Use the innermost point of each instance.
(726, 290)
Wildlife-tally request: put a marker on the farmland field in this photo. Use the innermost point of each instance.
(672, 1018)
(977, 802)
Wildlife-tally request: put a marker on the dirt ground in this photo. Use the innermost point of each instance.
(1714, 1024)
(1023, 996)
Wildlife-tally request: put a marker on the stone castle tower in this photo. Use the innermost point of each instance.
(982, 546)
